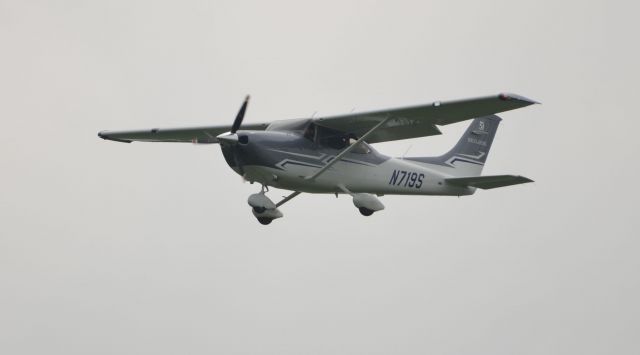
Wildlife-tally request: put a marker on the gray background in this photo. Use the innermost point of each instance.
(110, 248)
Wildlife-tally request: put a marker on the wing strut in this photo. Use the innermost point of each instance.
(347, 150)
(288, 198)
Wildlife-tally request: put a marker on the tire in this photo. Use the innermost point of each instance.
(259, 209)
(365, 211)
(264, 220)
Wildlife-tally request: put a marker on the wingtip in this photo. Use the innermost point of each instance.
(505, 96)
(103, 135)
(525, 179)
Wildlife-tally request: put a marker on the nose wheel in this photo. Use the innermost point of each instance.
(264, 209)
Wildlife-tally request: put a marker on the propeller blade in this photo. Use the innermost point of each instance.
(238, 121)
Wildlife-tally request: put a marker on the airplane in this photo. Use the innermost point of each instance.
(334, 155)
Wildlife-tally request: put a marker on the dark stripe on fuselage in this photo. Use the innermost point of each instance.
(276, 149)
(282, 165)
(465, 161)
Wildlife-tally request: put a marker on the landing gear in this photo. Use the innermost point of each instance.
(365, 211)
(366, 203)
(263, 208)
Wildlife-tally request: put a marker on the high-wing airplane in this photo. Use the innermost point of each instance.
(334, 155)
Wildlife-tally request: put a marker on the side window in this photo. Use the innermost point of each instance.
(338, 140)
(331, 138)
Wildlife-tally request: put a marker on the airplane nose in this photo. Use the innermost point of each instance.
(229, 138)
(233, 138)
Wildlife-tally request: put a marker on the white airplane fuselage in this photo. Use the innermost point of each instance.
(287, 160)
(393, 177)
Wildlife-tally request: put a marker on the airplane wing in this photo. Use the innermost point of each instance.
(489, 181)
(421, 121)
(201, 135)
(402, 123)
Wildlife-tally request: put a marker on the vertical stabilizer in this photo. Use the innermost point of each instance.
(468, 156)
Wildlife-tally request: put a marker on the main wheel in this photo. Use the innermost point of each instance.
(264, 220)
(259, 209)
(365, 211)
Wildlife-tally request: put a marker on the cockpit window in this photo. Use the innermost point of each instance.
(331, 138)
(339, 140)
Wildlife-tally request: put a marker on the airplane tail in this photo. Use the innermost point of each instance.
(468, 156)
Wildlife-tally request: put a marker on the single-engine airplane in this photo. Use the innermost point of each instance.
(334, 155)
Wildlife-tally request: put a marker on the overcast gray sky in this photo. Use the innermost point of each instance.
(110, 248)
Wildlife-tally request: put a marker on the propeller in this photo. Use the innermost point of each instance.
(240, 116)
(231, 137)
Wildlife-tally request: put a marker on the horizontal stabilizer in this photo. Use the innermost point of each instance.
(489, 182)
